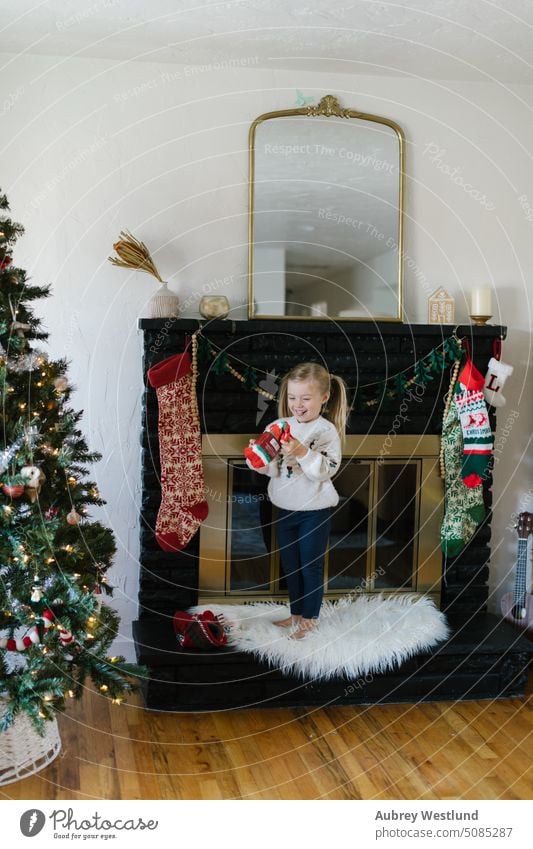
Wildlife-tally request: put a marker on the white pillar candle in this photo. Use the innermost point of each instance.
(481, 302)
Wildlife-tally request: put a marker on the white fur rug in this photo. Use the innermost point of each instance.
(355, 635)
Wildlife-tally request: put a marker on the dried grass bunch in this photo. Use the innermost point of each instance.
(134, 254)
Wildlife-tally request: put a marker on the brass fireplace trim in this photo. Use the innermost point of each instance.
(219, 448)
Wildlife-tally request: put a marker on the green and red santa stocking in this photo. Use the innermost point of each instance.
(183, 503)
(474, 418)
(466, 449)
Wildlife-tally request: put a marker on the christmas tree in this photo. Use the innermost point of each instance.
(55, 630)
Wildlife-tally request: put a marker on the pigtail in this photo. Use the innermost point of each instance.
(336, 410)
(283, 407)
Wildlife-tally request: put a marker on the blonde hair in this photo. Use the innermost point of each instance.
(336, 409)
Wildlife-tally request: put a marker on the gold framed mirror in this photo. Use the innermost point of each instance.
(325, 215)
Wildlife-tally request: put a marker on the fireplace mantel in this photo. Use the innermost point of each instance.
(258, 326)
(362, 353)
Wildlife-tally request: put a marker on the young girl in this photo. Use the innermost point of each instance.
(315, 405)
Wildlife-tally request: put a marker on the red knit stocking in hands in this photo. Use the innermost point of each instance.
(183, 505)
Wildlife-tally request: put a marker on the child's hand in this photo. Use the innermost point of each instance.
(293, 448)
(251, 442)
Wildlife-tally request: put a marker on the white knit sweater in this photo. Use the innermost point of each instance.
(304, 483)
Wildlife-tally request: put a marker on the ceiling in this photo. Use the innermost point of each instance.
(436, 39)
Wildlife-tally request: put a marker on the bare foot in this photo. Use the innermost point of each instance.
(304, 628)
(287, 623)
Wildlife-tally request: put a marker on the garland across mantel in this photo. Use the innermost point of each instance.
(420, 374)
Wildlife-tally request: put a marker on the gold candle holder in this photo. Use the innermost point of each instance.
(480, 320)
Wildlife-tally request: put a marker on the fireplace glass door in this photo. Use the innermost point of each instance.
(375, 541)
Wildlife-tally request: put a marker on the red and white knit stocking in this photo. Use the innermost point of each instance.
(183, 505)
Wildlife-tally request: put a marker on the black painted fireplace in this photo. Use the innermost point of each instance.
(483, 658)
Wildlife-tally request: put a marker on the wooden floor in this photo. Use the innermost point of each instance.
(442, 750)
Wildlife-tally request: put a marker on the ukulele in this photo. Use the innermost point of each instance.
(517, 606)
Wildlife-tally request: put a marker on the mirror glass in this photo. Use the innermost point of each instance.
(325, 216)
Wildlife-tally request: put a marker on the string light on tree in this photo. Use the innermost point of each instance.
(44, 609)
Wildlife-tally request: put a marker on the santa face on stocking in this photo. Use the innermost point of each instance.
(477, 435)
(475, 426)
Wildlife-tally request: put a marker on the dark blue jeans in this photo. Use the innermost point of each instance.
(303, 539)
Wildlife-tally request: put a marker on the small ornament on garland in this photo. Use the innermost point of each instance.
(73, 518)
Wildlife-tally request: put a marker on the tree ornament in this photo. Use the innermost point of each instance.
(65, 637)
(17, 327)
(97, 592)
(13, 490)
(37, 592)
(36, 479)
(24, 510)
(61, 384)
(73, 518)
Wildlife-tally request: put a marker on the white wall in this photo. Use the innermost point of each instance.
(374, 283)
(90, 147)
(269, 272)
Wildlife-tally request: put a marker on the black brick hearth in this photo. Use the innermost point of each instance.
(484, 658)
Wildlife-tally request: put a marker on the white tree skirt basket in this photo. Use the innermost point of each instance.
(23, 752)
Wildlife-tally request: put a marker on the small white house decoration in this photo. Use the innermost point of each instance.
(441, 307)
